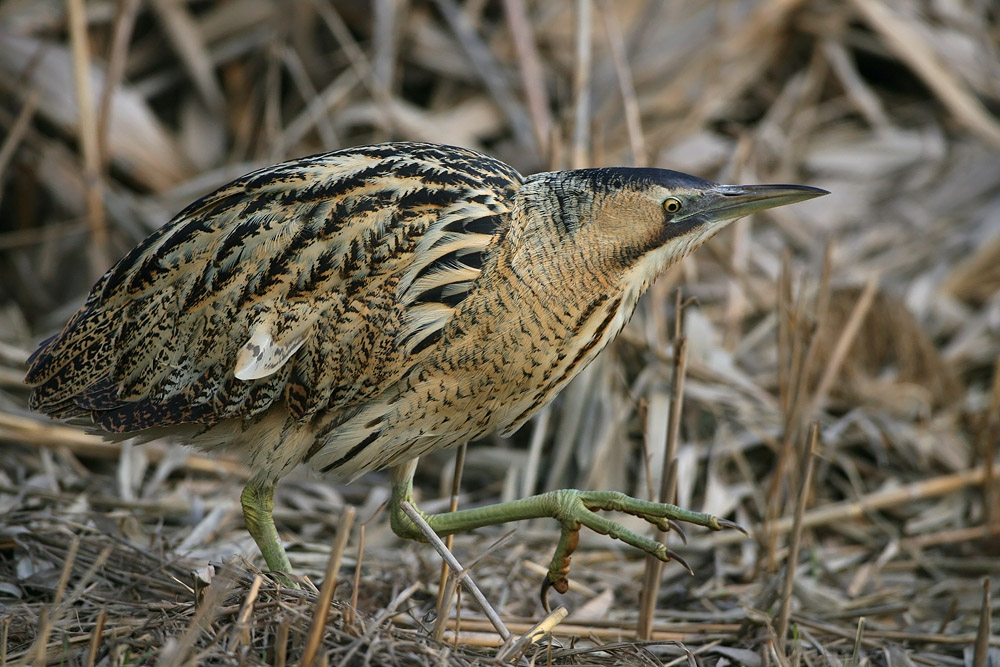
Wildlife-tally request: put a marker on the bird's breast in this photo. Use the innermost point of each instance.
(519, 339)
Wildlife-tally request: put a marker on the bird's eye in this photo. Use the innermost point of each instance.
(672, 205)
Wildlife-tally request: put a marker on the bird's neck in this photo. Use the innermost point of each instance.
(549, 315)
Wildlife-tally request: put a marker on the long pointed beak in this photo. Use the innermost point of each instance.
(725, 202)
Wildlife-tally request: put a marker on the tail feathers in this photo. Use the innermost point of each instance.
(65, 410)
(70, 362)
(39, 358)
(101, 395)
(146, 414)
(57, 351)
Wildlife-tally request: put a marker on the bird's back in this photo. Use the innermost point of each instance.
(312, 285)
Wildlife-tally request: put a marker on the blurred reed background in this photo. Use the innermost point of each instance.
(874, 313)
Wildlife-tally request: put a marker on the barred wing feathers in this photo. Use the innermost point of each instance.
(316, 282)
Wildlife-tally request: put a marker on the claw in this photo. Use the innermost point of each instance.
(544, 594)
(676, 527)
(673, 555)
(558, 574)
(726, 523)
(561, 585)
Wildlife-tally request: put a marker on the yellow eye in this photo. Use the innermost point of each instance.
(672, 205)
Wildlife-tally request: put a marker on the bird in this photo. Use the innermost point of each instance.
(356, 309)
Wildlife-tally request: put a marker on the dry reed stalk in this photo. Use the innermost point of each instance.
(668, 478)
(16, 132)
(690, 632)
(489, 71)
(899, 35)
(532, 75)
(803, 358)
(456, 489)
(186, 39)
(843, 345)
(987, 441)
(46, 620)
(540, 630)
(774, 651)
(980, 656)
(580, 146)
(878, 500)
(870, 637)
(281, 643)
(956, 536)
(349, 613)
(126, 12)
(448, 592)
(98, 249)
(95, 639)
(858, 640)
(626, 85)
(176, 652)
(29, 430)
(322, 609)
(539, 432)
(242, 635)
(808, 459)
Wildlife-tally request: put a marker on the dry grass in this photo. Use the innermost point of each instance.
(872, 313)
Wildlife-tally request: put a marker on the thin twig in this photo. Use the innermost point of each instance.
(50, 616)
(462, 573)
(175, 653)
(797, 402)
(349, 615)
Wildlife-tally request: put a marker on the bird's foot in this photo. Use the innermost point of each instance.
(576, 508)
(572, 509)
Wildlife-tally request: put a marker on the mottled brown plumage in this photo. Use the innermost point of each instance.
(354, 310)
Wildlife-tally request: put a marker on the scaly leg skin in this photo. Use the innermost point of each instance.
(258, 508)
(570, 507)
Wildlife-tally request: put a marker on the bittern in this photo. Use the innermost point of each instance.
(356, 309)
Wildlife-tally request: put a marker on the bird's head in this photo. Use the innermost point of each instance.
(636, 222)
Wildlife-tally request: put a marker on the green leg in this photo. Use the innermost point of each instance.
(258, 506)
(570, 507)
